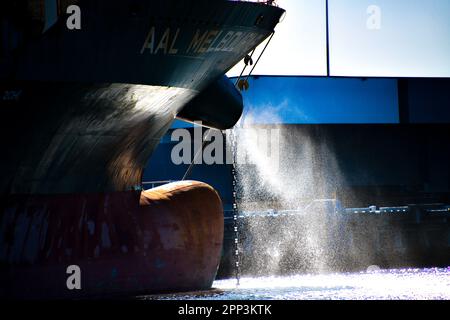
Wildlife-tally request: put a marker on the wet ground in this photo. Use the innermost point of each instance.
(405, 284)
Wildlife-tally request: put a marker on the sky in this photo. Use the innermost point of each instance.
(374, 38)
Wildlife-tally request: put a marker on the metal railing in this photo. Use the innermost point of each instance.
(268, 2)
(154, 184)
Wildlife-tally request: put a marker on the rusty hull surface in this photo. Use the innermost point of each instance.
(165, 239)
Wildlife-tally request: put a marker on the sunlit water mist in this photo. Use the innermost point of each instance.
(279, 169)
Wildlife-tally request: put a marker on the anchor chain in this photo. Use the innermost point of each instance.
(237, 262)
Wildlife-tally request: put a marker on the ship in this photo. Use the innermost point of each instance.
(87, 90)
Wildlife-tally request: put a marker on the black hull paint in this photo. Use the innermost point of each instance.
(84, 109)
(81, 112)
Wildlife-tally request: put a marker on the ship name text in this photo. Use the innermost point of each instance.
(202, 41)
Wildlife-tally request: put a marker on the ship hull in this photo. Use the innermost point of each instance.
(165, 239)
(185, 44)
(72, 138)
(81, 112)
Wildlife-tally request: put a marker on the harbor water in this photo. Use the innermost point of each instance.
(401, 284)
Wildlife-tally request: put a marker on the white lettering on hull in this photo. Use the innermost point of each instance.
(203, 41)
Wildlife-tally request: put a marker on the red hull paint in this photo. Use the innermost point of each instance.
(164, 239)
